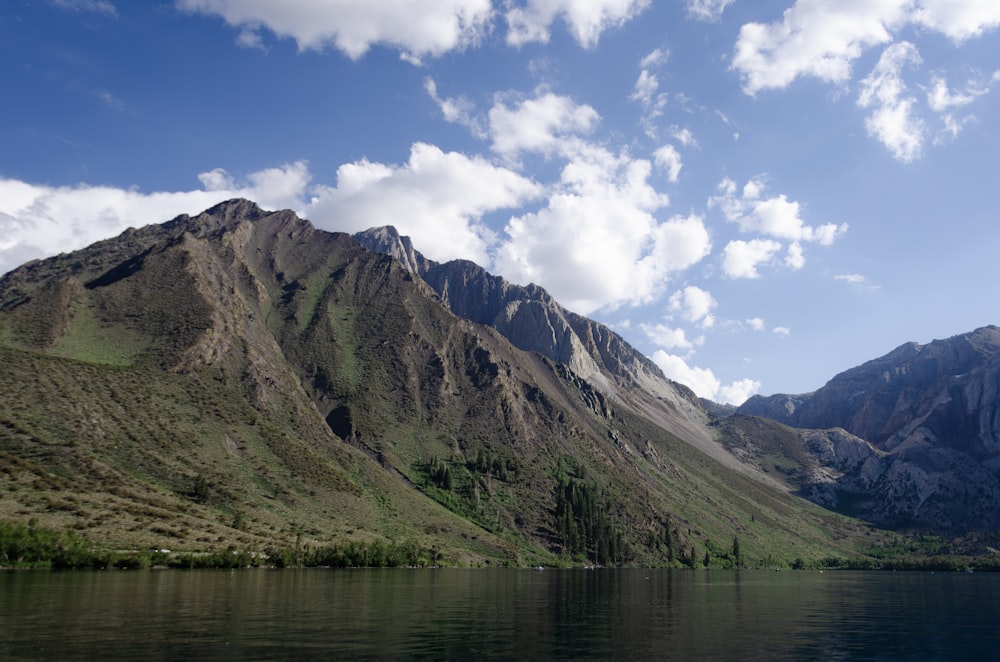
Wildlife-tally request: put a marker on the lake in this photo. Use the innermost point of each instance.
(472, 614)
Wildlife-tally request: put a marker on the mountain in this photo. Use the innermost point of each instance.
(533, 321)
(241, 379)
(925, 424)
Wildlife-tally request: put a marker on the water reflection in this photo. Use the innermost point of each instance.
(498, 614)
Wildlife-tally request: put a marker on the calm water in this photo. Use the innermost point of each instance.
(498, 614)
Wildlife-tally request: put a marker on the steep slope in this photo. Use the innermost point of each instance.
(933, 414)
(533, 321)
(241, 378)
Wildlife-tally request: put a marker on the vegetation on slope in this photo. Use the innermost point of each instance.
(242, 381)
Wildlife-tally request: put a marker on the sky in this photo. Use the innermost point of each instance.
(757, 194)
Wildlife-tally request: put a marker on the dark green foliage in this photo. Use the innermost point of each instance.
(30, 546)
(439, 474)
(584, 524)
(375, 554)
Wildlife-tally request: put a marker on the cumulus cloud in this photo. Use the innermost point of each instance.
(756, 324)
(775, 217)
(704, 382)
(823, 38)
(781, 331)
(694, 305)
(893, 121)
(708, 10)
(37, 221)
(666, 336)
(596, 243)
(437, 196)
(418, 28)
(957, 19)
(740, 259)
(541, 124)
(530, 20)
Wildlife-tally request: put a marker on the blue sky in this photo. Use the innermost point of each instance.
(756, 194)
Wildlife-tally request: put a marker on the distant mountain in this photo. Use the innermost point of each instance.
(242, 379)
(931, 416)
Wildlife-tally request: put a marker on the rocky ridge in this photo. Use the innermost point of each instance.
(931, 415)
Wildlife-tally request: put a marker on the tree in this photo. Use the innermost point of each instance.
(737, 557)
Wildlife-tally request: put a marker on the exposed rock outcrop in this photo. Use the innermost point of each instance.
(933, 411)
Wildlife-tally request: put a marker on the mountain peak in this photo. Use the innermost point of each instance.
(387, 240)
(236, 208)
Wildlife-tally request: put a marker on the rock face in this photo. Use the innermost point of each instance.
(934, 412)
(532, 320)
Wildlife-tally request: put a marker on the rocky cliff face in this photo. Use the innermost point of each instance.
(934, 412)
(533, 321)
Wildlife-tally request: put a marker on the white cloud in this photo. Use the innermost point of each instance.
(738, 392)
(756, 324)
(703, 381)
(529, 20)
(794, 259)
(776, 217)
(666, 336)
(37, 221)
(818, 38)
(693, 305)
(708, 10)
(823, 38)
(781, 331)
(645, 87)
(940, 98)
(893, 121)
(596, 243)
(740, 259)
(683, 136)
(436, 196)
(668, 158)
(457, 110)
(417, 27)
(541, 124)
(654, 58)
(958, 19)
(646, 92)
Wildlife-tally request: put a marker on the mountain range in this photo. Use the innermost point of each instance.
(913, 436)
(241, 379)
